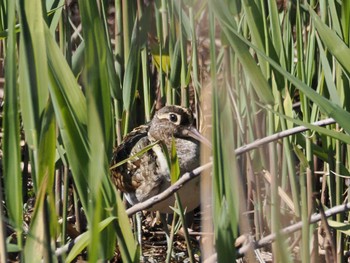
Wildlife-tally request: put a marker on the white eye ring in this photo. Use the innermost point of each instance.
(170, 117)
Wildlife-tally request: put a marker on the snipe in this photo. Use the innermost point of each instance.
(147, 175)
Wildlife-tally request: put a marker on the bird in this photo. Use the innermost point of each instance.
(147, 174)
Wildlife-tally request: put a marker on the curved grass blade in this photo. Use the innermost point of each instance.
(256, 27)
(70, 110)
(84, 239)
(54, 8)
(328, 74)
(332, 41)
(139, 153)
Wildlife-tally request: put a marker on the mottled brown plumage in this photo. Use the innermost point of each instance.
(147, 175)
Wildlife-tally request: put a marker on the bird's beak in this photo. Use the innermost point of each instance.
(194, 133)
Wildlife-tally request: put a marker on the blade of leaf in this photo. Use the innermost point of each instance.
(70, 110)
(11, 137)
(98, 80)
(35, 241)
(332, 41)
(83, 240)
(174, 163)
(259, 82)
(33, 77)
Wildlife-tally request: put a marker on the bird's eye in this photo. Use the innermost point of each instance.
(173, 117)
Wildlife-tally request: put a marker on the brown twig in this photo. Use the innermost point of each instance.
(293, 228)
(280, 135)
(169, 191)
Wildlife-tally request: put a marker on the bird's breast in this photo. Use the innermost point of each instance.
(188, 154)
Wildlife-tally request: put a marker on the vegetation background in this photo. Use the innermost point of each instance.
(78, 75)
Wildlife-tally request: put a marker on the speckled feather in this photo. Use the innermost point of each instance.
(121, 174)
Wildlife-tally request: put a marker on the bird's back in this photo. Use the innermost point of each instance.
(142, 176)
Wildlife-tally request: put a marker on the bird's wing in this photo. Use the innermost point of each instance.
(122, 174)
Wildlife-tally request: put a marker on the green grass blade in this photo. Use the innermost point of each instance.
(256, 77)
(334, 17)
(71, 114)
(345, 21)
(78, 59)
(127, 244)
(131, 75)
(225, 227)
(256, 26)
(98, 80)
(186, 28)
(84, 239)
(139, 153)
(54, 9)
(174, 163)
(332, 41)
(32, 77)
(327, 71)
(98, 246)
(37, 247)
(5, 247)
(39, 125)
(175, 67)
(11, 135)
(276, 32)
(47, 146)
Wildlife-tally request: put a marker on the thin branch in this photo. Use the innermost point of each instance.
(280, 135)
(189, 176)
(169, 191)
(293, 228)
(257, 244)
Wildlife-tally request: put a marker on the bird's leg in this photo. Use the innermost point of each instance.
(165, 218)
(164, 221)
(138, 230)
(189, 217)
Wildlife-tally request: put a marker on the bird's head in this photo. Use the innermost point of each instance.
(174, 121)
